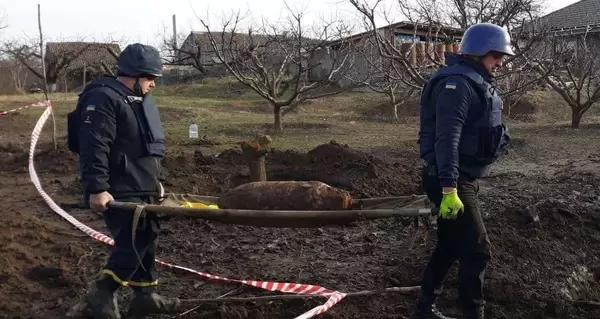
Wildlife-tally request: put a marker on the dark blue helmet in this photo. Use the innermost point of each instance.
(139, 60)
(482, 38)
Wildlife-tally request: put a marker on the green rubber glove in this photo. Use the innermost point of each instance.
(451, 205)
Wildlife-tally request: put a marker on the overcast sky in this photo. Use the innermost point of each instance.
(143, 20)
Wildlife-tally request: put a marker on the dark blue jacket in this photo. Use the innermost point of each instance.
(461, 121)
(121, 141)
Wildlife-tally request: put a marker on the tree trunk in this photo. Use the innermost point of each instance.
(277, 125)
(394, 101)
(508, 106)
(576, 116)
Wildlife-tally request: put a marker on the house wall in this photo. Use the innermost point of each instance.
(208, 56)
(366, 60)
(215, 68)
(359, 65)
(545, 49)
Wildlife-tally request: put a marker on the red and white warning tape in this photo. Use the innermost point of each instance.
(303, 289)
(39, 104)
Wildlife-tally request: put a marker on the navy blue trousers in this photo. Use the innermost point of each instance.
(464, 239)
(123, 264)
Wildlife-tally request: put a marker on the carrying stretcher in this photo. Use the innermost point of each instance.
(205, 207)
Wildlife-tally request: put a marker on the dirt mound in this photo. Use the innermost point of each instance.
(553, 256)
(42, 260)
(338, 165)
(59, 160)
(15, 158)
(383, 109)
(362, 174)
(343, 167)
(538, 270)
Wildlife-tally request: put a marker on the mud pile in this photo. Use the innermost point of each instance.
(539, 269)
(15, 158)
(545, 235)
(340, 166)
(358, 172)
(42, 263)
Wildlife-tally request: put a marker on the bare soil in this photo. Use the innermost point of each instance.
(45, 263)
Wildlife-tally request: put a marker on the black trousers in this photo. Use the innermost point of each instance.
(464, 239)
(123, 264)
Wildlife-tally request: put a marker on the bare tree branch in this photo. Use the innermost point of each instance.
(572, 68)
(39, 15)
(387, 43)
(384, 76)
(433, 23)
(464, 13)
(567, 61)
(3, 24)
(177, 48)
(60, 62)
(282, 63)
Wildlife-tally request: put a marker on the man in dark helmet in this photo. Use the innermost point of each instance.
(461, 135)
(117, 131)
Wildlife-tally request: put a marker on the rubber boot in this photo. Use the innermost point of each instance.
(151, 303)
(101, 300)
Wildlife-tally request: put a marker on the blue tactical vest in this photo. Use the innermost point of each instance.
(150, 125)
(483, 140)
(146, 113)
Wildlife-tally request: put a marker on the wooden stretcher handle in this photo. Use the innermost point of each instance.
(279, 218)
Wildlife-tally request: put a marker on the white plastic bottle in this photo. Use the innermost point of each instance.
(193, 130)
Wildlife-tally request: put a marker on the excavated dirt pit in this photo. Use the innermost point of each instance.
(542, 267)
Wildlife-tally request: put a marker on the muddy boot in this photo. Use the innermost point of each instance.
(428, 313)
(426, 309)
(101, 300)
(151, 303)
(475, 314)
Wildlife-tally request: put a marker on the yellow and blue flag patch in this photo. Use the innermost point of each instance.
(450, 85)
(90, 108)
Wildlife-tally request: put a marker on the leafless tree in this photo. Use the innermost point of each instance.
(389, 83)
(388, 46)
(434, 16)
(3, 24)
(13, 75)
(18, 75)
(519, 74)
(283, 62)
(28, 54)
(570, 65)
(176, 51)
(464, 13)
(385, 76)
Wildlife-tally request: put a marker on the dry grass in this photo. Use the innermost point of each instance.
(548, 107)
(227, 112)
